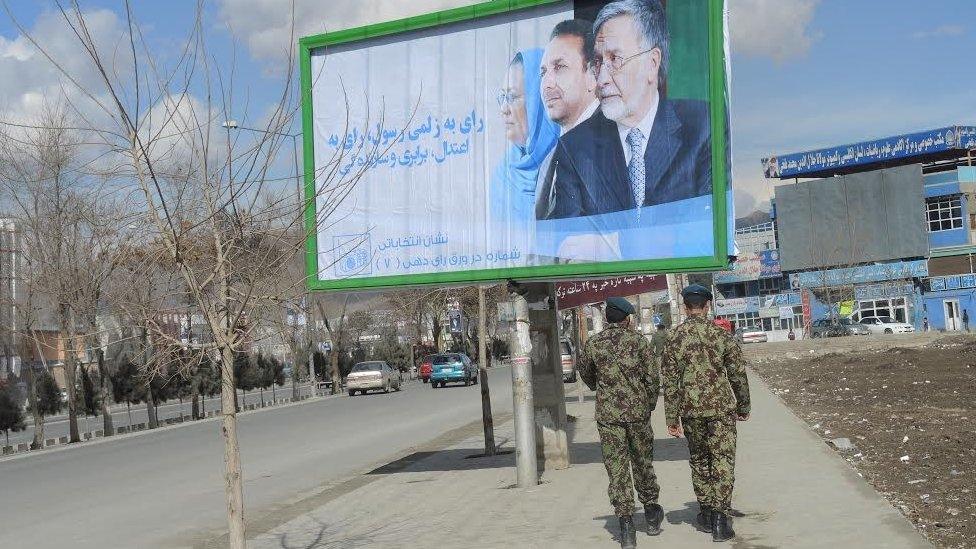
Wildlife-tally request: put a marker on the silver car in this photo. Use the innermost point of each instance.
(854, 328)
(373, 375)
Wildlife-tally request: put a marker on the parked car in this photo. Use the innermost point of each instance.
(373, 375)
(886, 325)
(568, 359)
(425, 370)
(750, 334)
(452, 368)
(826, 327)
(853, 328)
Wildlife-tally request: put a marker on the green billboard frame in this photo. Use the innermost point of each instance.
(718, 114)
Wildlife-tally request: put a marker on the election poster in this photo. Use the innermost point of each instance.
(548, 141)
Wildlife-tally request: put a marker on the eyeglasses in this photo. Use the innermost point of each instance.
(507, 98)
(616, 63)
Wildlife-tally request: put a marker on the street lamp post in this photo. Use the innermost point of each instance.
(234, 125)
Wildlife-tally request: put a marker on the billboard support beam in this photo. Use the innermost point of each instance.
(522, 406)
(548, 394)
(483, 348)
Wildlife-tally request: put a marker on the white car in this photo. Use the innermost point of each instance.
(373, 375)
(750, 334)
(886, 325)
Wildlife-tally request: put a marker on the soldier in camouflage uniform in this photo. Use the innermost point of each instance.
(705, 393)
(619, 365)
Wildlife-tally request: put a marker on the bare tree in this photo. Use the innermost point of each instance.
(26, 320)
(285, 317)
(332, 313)
(207, 200)
(66, 218)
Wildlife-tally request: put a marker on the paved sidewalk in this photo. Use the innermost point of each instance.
(791, 491)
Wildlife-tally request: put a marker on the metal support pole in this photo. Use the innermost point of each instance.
(488, 422)
(299, 179)
(527, 470)
(581, 337)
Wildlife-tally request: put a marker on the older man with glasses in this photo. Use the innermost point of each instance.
(641, 148)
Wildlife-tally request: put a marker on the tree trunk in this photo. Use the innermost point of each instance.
(150, 398)
(488, 424)
(203, 406)
(195, 405)
(294, 376)
(436, 332)
(334, 370)
(128, 409)
(108, 425)
(66, 334)
(38, 441)
(232, 457)
(151, 407)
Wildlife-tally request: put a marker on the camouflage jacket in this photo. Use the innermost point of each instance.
(619, 365)
(704, 372)
(657, 342)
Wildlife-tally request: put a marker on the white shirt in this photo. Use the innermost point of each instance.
(645, 125)
(587, 112)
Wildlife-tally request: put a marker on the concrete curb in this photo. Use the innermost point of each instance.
(22, 450)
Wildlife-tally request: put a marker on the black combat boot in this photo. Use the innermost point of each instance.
(654, 515)
(628, 534)
(721, 527)
(704, 519)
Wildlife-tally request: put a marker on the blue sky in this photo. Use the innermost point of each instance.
(805, 73)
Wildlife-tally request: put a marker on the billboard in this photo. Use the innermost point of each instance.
(863, 217)
(822, 161)
(751, 266)
(897, 270)
(584, 292)
(518, 140)
(737, 305)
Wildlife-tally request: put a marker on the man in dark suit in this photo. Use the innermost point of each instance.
(640, 148)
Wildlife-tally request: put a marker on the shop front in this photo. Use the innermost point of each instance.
(949, 301)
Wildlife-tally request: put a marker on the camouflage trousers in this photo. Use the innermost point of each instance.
(626, 447)
(711, 443)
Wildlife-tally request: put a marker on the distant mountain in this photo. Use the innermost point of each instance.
(757, 217)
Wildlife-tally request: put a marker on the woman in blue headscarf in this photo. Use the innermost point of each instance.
(530, 135)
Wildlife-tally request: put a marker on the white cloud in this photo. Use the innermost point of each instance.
(943, 31)
(266, 25)
(798, 123)
(29, 81)
(778, 29)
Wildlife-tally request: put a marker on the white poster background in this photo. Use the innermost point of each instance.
(429, 214)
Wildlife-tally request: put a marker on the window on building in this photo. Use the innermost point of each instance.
(743, 320)
(769, 286)
(896, 308)
(944, 213)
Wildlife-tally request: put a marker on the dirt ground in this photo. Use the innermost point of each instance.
(900, 409)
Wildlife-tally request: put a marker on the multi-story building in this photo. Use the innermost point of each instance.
(10, 265)
(754, 292)
(881, 227)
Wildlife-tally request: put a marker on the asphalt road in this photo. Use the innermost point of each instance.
(57, 426)
(165, 488)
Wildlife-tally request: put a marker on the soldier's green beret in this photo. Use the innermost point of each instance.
(697, 289)
(618, 308)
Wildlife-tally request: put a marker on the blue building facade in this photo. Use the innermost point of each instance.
(936, 292)
(950, 289)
